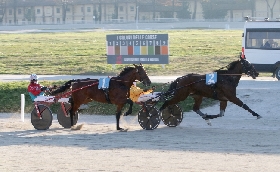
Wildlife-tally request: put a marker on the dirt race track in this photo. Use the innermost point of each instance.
(237, 142)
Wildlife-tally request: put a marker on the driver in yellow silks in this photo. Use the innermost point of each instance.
(139, 95)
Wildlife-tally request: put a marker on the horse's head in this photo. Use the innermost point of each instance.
(248, 68)
(141, 75)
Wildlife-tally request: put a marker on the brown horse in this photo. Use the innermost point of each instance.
(86, 90)
(223, 90)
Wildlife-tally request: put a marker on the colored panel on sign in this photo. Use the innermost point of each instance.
(164, 50)
(144, 50)
(124, 50)
(137, 50)
(111, 50)
(130, 50)
(119, 60)
(151, 50)
(157, 50)
(117, 50)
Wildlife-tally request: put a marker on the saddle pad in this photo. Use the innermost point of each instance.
(103, 83)
(211, 78)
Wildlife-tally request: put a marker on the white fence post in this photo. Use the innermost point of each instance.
(22, 107)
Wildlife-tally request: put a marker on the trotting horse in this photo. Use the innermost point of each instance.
(223, 90)
(86, 90)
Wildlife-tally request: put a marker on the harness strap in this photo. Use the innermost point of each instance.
(106, 92)
(70, 92)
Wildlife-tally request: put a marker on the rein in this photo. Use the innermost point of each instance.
(80, 88)
(232, 74)
(69, 92)
(95, 83)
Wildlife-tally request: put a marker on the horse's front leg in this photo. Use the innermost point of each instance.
(238, 102)
(118, 115)
(130, 102)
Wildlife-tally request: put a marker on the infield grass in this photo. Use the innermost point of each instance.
(70, 53)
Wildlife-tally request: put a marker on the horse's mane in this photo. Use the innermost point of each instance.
(126, 70)
(228, 67)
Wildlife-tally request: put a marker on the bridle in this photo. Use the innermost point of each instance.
(248, 68)
(138, 72)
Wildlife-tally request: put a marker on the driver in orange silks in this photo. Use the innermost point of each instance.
(139, 95)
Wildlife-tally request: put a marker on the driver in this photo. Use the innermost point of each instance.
(140, 95)
(34, 88)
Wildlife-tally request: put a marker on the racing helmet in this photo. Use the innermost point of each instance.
(33, 77)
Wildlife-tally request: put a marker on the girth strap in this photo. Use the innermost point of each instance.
(106, 92)
(215, 94)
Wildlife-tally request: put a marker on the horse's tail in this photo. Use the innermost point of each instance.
(64, 87)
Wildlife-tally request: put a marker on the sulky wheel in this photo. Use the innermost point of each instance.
(63, 115)
(148, 117)
(43, 119)
(172, 115)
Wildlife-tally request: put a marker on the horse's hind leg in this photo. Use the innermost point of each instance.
(167, 103)
(73, 110)
(130, 102)
(197, 103)
(174, 100)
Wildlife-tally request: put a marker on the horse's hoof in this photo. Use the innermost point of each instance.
(126, 114)
(78, 127)
(123, 130)
(208, 122)
(259, 117)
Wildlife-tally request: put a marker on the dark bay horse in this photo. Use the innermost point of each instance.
(223, 90)
(86, 90)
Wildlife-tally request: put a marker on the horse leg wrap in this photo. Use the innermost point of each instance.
(222, 113)
(244, 106)
(200, 113)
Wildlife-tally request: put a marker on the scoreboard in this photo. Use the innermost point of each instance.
(137, 48)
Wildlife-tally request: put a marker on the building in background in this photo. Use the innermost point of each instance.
(22, 12)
